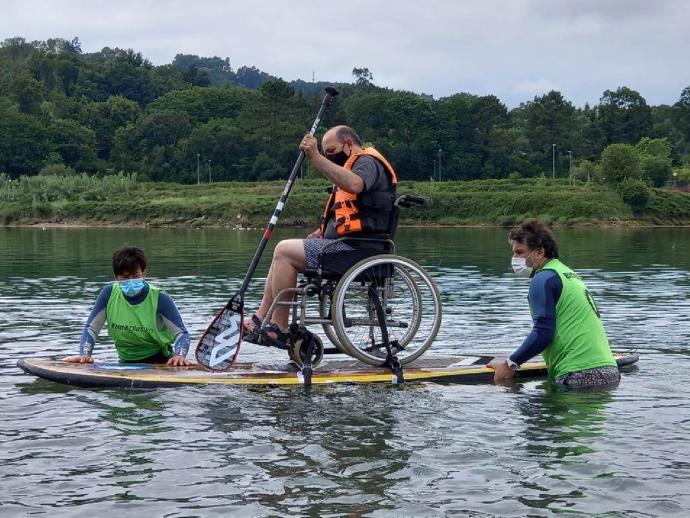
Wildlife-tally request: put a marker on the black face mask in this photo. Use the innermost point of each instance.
(338, 158)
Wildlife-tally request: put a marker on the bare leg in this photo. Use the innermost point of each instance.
(268, 296)
(288, 261)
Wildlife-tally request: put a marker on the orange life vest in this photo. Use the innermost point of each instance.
(350, 210)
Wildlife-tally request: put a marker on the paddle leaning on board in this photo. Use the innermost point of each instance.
(220, 344)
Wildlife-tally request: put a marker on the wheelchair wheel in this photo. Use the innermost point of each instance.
(328, 329)
(297, 352)
(411, 305)
(405, 331)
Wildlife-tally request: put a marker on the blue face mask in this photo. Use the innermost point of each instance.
(132, 287)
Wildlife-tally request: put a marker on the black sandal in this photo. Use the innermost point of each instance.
(281, 339)
(252, 335)
(256, 321)
(260, 336)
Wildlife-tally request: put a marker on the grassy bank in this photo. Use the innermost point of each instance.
(122, 200)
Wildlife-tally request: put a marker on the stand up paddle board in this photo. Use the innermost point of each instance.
(455, 369)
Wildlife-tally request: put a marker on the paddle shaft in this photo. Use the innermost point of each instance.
(330, 94)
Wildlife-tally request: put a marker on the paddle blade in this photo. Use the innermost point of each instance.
(220, 344)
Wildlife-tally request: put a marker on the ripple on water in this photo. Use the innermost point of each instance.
(363, 450)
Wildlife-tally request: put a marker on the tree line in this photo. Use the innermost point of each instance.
(64, 111)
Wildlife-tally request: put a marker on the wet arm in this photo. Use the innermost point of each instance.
(172, 319)
(95, 322)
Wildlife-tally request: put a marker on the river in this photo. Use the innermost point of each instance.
(377, 450)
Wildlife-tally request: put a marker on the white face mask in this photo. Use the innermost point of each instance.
(520, 267)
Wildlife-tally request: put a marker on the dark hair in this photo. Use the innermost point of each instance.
(342, 133)
(127, 259)
(535, 235)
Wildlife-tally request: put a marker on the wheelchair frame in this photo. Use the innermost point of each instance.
(373, 273)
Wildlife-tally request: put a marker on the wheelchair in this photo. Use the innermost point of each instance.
(373, 305)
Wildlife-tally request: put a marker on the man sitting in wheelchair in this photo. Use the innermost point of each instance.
(361, 203)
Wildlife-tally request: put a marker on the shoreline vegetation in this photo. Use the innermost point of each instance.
(70, 120)
(123, 200)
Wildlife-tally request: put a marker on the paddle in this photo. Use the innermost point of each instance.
(219, 345)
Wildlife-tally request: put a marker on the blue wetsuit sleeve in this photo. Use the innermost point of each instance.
(544, 292)
(172, 319)
(95, 322)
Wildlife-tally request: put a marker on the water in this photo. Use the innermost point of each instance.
(415, 450)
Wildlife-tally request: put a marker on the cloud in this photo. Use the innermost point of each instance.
(534, 87)
(514, 49)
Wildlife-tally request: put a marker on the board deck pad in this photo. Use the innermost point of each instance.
(447, 369)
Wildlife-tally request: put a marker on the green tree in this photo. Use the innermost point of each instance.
(624, 116)
(251, 77)
(133, 77)
(219, 71)
(24, 141)
(266, 168)
(75, 144)
(196, 77)
(587, 139)
(618, 162)
(274, 119)
(663, 127)
(681, 117)
(584, 171)
(28, 93)
(549, 120)
(656, 169)
(16, 49)
(656, 147)
(105, 118)
(457, 138)
(635, 193)
(401, 125)
(203, 104)
(222, 142)
(683, 176)
(655, 159)
(491, 122)
(159, 133)
(363, 77)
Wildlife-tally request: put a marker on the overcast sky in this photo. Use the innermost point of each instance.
(515, 49)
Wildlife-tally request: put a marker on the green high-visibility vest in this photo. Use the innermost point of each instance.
(580, 342)
(134, 328)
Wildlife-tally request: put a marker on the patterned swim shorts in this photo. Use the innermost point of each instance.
(312, 248)
(596, 377)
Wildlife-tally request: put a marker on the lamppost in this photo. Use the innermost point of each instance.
(553, 161)
(674, 179)
(439, 164)
(209, 171)
(434, 170)
(197, 168)
(570, 165)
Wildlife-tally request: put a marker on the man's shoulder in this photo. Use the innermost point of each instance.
(545, 273)
(544, 277)
(372, 171)
(367, 161)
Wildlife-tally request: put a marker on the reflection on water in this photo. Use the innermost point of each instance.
(423, 450)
